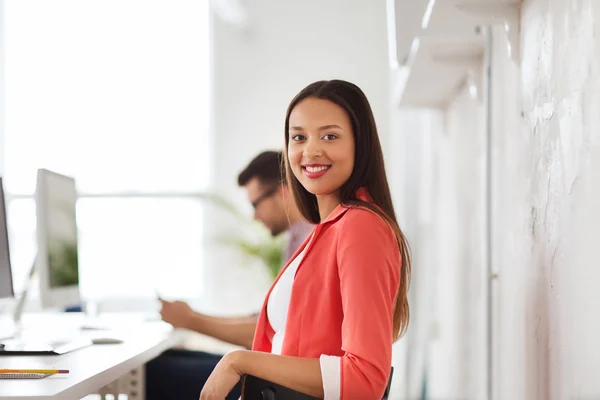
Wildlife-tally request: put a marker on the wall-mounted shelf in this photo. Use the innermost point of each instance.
(448, 51)
(438, 69)
(408, 17)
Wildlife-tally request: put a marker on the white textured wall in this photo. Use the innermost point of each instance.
(546, 214)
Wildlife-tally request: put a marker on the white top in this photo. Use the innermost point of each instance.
(277, 311)
(279, 302)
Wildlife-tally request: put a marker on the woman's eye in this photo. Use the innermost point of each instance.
(298, 137)
(330, 136)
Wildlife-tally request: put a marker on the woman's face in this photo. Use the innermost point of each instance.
(321, 146)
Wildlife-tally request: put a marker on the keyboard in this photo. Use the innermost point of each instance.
(17, 347)
(4, 375)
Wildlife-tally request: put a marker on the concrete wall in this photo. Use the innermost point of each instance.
(546, 195)
(546, 191)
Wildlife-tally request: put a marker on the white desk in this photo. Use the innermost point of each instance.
(91, 368)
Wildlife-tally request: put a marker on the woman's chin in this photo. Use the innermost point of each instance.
(319, 190)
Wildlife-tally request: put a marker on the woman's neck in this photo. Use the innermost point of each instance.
(327, 203)
(294, 215)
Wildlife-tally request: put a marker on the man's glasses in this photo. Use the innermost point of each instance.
(264, 196)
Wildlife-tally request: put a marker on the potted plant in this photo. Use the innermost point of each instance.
(264, 246)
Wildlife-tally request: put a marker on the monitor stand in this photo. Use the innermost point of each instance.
(8, 328)
(18, 312)
(10, 324)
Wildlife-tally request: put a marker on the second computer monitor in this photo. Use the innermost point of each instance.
(6, 281)
(57, 259)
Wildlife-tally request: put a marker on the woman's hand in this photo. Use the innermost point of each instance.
(223, 378)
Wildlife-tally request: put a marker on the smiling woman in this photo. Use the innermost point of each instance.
(321, 149)
(346, 287)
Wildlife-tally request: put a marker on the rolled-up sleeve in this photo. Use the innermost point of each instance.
(369, 271)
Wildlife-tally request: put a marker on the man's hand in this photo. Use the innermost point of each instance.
(177, 313)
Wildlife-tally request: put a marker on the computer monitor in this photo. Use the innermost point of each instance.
(57, 260)
(6, 280)
(7, 325)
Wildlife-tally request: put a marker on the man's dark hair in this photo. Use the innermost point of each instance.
(267, 166)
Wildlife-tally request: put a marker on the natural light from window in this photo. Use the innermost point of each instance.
(114, 93)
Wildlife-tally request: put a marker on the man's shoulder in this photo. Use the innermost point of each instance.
(301, 229)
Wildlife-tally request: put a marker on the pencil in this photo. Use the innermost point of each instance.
(34, 371)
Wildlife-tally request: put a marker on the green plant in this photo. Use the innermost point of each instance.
(263, 246)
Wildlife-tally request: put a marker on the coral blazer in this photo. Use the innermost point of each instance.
(343, 299)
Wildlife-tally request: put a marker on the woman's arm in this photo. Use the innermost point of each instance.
(300, 374)
(369, 269)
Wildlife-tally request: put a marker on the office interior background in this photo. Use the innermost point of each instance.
(486, 114)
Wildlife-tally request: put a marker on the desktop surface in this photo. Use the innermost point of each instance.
(91, 367)
(54, 333)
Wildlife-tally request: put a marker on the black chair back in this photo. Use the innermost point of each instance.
(254, 388)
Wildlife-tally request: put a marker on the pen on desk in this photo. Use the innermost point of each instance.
(34, 371)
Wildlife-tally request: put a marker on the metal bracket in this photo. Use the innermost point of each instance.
(507, 14)
(472, 63)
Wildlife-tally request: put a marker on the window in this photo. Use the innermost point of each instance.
(114, 93)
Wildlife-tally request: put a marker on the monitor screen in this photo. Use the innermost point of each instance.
(57, 258)
(6, 282)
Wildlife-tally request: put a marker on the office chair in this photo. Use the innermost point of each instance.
(254, 388)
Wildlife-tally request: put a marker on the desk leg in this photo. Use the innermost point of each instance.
(131, 384)
(110, 389)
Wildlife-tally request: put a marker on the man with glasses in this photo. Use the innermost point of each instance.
(181, 374)
(273, 203)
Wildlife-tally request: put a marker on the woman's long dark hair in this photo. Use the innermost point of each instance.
(369, 172)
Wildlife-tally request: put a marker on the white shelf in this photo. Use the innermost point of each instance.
(408, 17)
(451, 49)
(438, 69)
